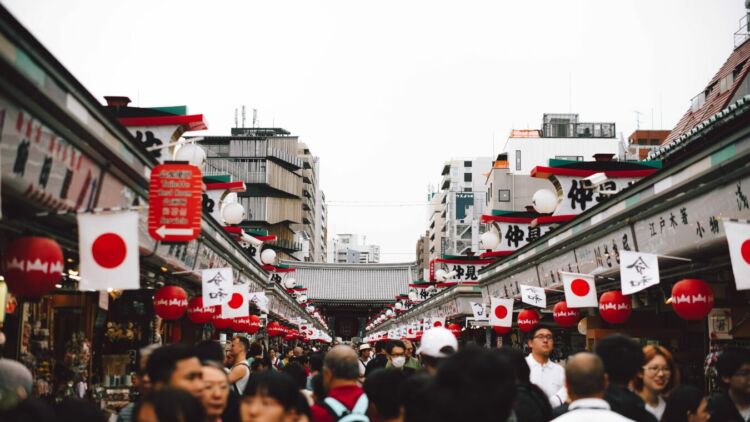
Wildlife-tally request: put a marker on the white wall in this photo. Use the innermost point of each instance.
(538, 151)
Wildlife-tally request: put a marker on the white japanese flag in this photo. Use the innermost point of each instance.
(237, 306)
(108, 250)
(638, 271)
(217, 286)
(580, 290)
(501, 313)
(738, 237)
(479, 311)
(437, 322)
(260, 300)
(533, 295)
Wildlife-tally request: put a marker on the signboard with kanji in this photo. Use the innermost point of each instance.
(174, 212)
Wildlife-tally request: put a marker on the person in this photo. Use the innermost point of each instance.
(532, 404)
(623, 358)
(142, 382)
(364, 357)
(732, 402)
(340, 379)
(299, 375)
(411, 361)
(656, 379)
(473, 384)
(549, 376)
(380, 359)
(585, 382)
(686, 403)
(16, 378)
(315, 365)
(297, 351)
(396, 352)
(240, 371)
(75, 409)
(169, 405)
(272, 396)
(215, 390)
(255, 351)
(176, 366)
(383, 389)
(275, 360)
(437, 344)
(210, 350)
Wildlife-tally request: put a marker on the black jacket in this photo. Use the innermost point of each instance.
(377, 362)
(627, 403)
(722, 408)
(532, 405)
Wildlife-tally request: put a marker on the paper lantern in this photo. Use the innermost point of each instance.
(233, 213)
(501, 331)
(527, 320)
(170, 302)
(455, 329)
(291, 335)
(418, 335)
(268, 256)
(254, 325)
(615, 307)
(692, 299)
(489, 240)
(33, 265)
(240, 324)
(564, 316)
(274, 329)
(290, 283)
(197, 313)
(191, 153)
(220, 323)
(544, 201)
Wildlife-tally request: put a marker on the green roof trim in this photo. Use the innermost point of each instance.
(502, 212)
(180, 110)
(257, 232)
(219, 178)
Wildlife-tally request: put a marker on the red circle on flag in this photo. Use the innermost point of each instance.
(236, 301)
(438, 324)
(109, 250)
(745, 250)
(501, 312)
(579, 287)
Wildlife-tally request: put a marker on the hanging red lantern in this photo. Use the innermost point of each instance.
(197, 313)
(273, 329)
(418, 335)
(220, 323)
(564, 316)
(527, 320)
(692, 299)
(615, 307)
(170, 302)
(290, 335)
(241, 324)
(255, 324)
(455, 329)
(501, 331)
(33, 265)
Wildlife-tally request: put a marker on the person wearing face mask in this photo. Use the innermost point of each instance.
(396, 351)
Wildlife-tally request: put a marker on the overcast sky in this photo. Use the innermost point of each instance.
(385, 92)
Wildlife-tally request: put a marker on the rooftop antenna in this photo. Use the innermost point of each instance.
(243, 116)
(255, 116)
(637, 119)
(236, 121)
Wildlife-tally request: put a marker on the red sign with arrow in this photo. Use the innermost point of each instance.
(175, 195)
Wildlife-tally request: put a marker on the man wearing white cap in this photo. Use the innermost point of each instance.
(364, 357)
(437, 344)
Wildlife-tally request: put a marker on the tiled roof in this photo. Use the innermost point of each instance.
(716, 100)
(353, 282)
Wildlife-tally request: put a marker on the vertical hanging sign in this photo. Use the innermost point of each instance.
(174, 212)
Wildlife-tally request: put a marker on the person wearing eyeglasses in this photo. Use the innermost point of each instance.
(411, 361)
(657, 378)
(732, 403)
(549, 376)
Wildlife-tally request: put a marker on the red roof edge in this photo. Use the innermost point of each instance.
(190, 122)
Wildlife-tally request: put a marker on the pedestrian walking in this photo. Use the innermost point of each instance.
(240, 371)
(364, 358)
(396, 352)
(657, 378)
(548, 375)
(437, 344)
(340, 379)
(176, 366)
(384, 390)
(215, 391)
(686, 403)
(532, 404)
(169, 404)
(272, 396)
(732, 403)
(380, 359)
(411, 361)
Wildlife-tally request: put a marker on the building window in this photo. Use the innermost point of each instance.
(467, 163)
(518, 160)
(503, 195)
(467, 189)
(569, 157)
(467, 177)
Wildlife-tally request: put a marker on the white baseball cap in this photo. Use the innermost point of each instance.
(435, 343)
(364, 346)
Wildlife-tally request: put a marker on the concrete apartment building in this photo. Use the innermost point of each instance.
(349, 248)
(281, 178)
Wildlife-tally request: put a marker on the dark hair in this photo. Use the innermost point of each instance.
(265, 361)
(464, 382)
(394, 343)
(416, 397)
(730, 360)
(380, 346)
(622, 357)
(342, 367)
(318, 388)
(244, 341)
(683, 399)
(254, 349)
(274, 384)
(172, 405)
(209, 350)
(517, 362)
(29, 409)
(71, 409)
(530, 335)
(383, 391)
(163, 361)
(316, 361)
(298, 373)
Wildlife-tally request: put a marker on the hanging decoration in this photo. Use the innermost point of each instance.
(692, 299)
(255, 324)
(615, 307)
(527, 320)
(501, 331)
(564, 316)
(241, 324)
(220, 323)
(199, 314)
(33, 265)
(455, 329)
(170, 302)
(274, 329)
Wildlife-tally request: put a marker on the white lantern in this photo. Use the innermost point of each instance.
(399, 306)
(489, 240)
(302, 298)
(310, 309)
(389, 313)
(191, 153)
(544, 201)
(233, 213)
(440, 275)
(268, 256)
(290, 283)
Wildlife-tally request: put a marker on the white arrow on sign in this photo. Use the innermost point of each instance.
(163, 232)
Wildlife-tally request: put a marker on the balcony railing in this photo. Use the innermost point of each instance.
(579, 130)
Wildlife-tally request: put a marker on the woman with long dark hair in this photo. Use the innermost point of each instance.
(686, 404)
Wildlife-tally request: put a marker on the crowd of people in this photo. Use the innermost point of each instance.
(393, 382)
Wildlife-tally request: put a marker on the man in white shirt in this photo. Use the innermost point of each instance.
(586, 381)
(549, 376)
